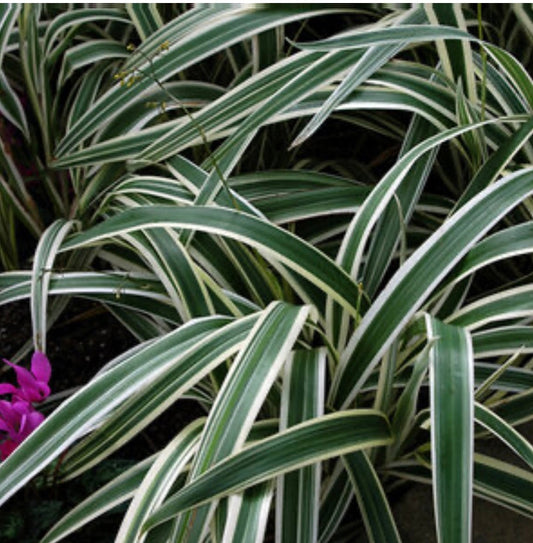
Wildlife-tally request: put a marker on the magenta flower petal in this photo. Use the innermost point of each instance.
(24, 377)
(28, 423)
(33, 385)
(18, 417)
(10, 417)
(40, 367)
(6, 388)
(6, 448)
(17, 421)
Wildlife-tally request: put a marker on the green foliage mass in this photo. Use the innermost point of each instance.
(315, 221)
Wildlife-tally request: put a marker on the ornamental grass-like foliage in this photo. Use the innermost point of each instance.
(315, 220)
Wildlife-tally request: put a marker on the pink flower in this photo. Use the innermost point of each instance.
(18, 419)
(33, 384)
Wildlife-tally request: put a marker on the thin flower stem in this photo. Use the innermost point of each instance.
(194, 122)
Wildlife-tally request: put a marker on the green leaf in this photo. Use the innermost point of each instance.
(451, 376)
(515, 71)
(506, 340)
(504, 484)
(242, 394)
(248, 514)
(43, 262)
(404, 34)
(290, 250)
(117, 491)
(199, 34)
(513, 241)
(89, 54)
(145, 17)
(64, 22)
(158, 481)
(149, 402)
(455, 56)
(299, 446)
(337, 496)
(505, 432)
(10, 106)
(506, 304)
(373, 504)
(297, 495)
(414, 281)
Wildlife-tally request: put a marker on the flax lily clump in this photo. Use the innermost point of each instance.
(315, 220)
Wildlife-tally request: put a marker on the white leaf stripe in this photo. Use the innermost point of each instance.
(415, 280)
(149, 402)
(299, 446)
(158, 481)
(289, 249)
(117, 491)
(451, 379)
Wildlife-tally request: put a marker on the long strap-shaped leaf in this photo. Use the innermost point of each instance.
(504, 484)
(517, 408)
(507, 340)
(76, 17)
(389, 227)
(455, 56)
(377, 516)
(369, 63)
(88, 54)
(414, 281)
(299, 446)
(497, 162)
(93, 402)
(248, 514)
(507, 304)
(289, 249)
(337, 497)
(222, 117)
(145, 406)
(403, 33)
(8, 17)
(451, 376)
(140, 294)
(169, 138)
(145, 17)
(42, 271)
(241, 396)
(10, 105)
(494, 480)
(513, 241)
(353, 246)
(515, 72)
(174, 267)
(298, 492)
(373, 58)
(214, 29)
(505, 432)
(117, 491)
(158, 482)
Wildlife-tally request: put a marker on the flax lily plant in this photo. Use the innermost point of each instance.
(315, 221)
